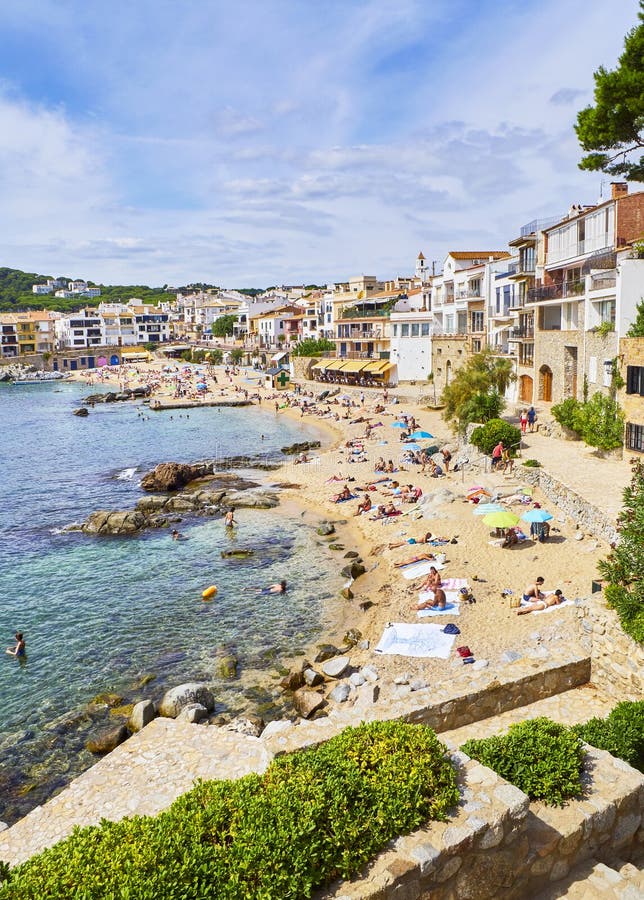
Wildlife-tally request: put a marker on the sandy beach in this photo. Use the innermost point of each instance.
(490, 627)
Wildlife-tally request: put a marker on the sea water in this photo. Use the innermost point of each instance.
(105, 614)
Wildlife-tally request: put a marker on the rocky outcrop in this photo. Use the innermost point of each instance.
(300, 447)
(183, 695)
(104, 521)
(112, 397)
(249, 725)
(172, 476)
(307, 702)
(81, 411)
(105, 741)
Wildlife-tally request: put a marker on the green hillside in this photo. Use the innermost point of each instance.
(16, 294)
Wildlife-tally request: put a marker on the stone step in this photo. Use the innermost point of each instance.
(593, 880)
(570, 707)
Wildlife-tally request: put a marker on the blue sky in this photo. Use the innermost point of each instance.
(280, 141)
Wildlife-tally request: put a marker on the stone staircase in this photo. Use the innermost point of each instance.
(593, 880)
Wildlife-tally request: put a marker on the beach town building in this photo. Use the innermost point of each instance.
(276, 327)
(77, 288)
(27, 332)
(77, 330)
(458, 302)
(412, 328)
(118, 328)
(631, 393)
(585, 295)
(52, 284)
(152, 324)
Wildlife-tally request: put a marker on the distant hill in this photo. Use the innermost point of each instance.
(16, 294)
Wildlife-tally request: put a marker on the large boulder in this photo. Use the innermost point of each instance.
(82, 411)
(105, 741)
(336, 667)
(301, 447)
(108, 522)
(176, 698)
(307, 702)
(355, 570)
(142, 715)
(193, 713)
(172, 476)
(292, 681)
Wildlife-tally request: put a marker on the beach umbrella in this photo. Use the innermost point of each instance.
(412, 447)
(201, 386)
(398, 425)
(536, 515)
(421, 435)
(483, 509)
(501, 519)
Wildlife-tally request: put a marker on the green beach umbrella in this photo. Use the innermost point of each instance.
(501, 519)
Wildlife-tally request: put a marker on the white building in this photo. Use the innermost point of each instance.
(42, 288)
(79, 330)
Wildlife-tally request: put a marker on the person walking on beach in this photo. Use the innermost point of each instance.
(497, 455)
(447, 458)
(531, 418)
(523, 420)
(19, 650)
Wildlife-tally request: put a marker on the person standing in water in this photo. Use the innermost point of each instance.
(229, 521)
(19, 650)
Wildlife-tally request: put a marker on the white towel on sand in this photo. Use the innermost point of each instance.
(450, 596)
(538, 612)
(422, 567)
(416, 639)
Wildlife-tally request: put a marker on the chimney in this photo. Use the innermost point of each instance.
(618, 189)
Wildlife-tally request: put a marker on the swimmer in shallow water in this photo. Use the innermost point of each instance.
(19, 649)
(277, 588)
(229, 521)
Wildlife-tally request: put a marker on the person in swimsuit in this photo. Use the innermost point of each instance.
(438, 601)
(278, 588)
(229, 521)
(19, 649)
(432, 581)
(533, 591)
(551, 600)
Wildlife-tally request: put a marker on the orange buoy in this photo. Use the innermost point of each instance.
(209, 593)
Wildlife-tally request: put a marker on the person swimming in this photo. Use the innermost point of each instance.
(277, 588)
(20, 648)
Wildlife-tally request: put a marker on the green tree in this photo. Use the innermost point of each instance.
(237, 355)
(637, 326)
(600, 422)
(613, 128)
(475, 394)
(313, 347)
(216, 357)
(624, 567)
(223, 326)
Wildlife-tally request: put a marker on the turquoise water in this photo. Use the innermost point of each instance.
(100, 613)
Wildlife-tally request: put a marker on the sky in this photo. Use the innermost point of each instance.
(288, 141)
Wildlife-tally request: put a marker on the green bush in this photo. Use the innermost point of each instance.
(540, 757)
(313, 816)
(621, 733)
(487, 436)
(532, 464)
(567, 413)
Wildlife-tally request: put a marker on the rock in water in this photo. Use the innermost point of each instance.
(307, 702)
(292, 681)
(326, 651)
(82, 411)
(173, 476)
(227, 666)
(336, 667)
(326, 528)
(106, 741)
(176, 698)
(142, 715)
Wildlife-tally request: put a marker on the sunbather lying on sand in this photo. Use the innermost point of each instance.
(536, 605)
(423, 539)
(438, 601)
(413, 559)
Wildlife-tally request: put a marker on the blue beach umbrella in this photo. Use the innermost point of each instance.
(536, 515)
(412, 447)
(398, 425)
(482, 509)
(421, 435)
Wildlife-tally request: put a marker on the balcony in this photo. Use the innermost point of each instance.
(538, 225)
(603, 281)
(468, 294)
(561, 291)
(355, 334)
(520, 334)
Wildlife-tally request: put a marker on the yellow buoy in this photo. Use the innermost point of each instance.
(209, 593)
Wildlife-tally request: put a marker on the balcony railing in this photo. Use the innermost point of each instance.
(556, 291)
(520, 333)
(468, 294)
(538, 225)
(355, 335)
(603, 282)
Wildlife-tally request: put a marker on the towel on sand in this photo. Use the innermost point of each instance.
(450, 596)
(451, 609)
(538, 612)
(422, 567)
(416, 639)
(453, 584)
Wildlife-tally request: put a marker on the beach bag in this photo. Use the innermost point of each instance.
(440, 558)
(515, 601)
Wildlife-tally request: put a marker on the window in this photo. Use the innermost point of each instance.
(635, 380)
(477, 321)
(415, 329)
(476, 346)
(424, 329)
(395, 330)
(404, 330)
(635, 437)
(606, 311)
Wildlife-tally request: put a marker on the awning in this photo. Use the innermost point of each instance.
(334, 364)
(378, 367)
(132, 357)
(354, 365)
(279, 356)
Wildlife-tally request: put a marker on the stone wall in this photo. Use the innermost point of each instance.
(588, 517)
(616, 659)
(499, 845)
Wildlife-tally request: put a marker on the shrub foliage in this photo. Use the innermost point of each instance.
(540, 757)
(313, 816)
(621, 733)
(487, 436)
(623, 568)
